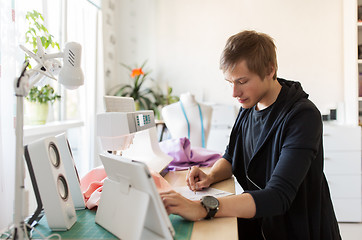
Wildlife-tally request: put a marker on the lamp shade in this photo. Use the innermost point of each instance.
(71, 75)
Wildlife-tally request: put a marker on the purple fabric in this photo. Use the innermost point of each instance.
(185, 157)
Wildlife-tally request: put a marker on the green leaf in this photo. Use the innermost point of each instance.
(147, 98)
(36, 29)
(37, 25)
(122, 92)
(42, 94)
(42, 27)
(124, 65)
(144, 64)
(43, 40)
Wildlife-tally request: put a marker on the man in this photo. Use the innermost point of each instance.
(275, 152)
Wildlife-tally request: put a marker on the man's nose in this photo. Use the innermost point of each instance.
(236, 91)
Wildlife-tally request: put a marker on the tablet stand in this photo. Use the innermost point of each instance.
(130, 206)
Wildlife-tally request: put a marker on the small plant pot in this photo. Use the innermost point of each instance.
(38, 113)
(137, 105)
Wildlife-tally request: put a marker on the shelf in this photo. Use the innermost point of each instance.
(33, 132)
(359, 24)
(359, 99)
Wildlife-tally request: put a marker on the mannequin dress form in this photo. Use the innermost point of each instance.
(188, 118)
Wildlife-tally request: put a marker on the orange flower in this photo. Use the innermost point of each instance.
(136, 72)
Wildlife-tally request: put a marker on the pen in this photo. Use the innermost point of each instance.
(189, 176)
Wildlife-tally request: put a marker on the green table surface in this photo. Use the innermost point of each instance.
(86, 228)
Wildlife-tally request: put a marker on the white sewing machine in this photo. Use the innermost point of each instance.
(130, 206)
(132, 133)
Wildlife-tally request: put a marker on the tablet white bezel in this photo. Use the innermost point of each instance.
(134, 175)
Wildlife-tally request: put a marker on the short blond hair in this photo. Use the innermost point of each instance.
(257, 49)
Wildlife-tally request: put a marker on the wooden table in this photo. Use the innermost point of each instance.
(216, 228)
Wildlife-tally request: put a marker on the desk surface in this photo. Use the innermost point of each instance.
(217, 228)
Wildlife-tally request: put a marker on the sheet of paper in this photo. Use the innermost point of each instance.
(187, 193)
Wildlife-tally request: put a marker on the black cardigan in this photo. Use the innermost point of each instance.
(285, 175)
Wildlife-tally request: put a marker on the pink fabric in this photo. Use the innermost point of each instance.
(161, 184)
(185, 157)
(91, 185)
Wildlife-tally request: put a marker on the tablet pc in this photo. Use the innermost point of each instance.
(130, 198)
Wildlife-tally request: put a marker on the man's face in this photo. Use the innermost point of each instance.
(248, 88)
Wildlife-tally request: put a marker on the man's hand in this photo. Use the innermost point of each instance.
(197, 179)
(175, 203)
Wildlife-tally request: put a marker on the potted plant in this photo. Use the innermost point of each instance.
(38, 106)
(162, 100)
(39, 97)
(35, 22)
(145, 98)
(142, 96)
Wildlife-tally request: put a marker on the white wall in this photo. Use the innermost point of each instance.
(191, 35)
(132, 24)
(183, 40)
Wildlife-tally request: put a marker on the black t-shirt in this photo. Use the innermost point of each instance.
(254, 125)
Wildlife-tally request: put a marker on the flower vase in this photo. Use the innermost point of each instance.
(137, 105)
(38, 113)
(157, 112)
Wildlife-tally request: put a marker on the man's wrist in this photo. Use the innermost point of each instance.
(202, 211)
(211, 178)
(211, 205)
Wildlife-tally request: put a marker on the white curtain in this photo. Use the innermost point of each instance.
(8, 67)
(82, 27)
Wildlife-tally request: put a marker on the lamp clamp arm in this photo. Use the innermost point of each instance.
(21, 84)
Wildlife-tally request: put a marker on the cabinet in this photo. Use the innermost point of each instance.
(342, 167)
(350, 60)
(359, 57)
(222, 121)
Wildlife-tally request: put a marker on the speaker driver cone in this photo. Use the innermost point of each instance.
(54, 154)
(63, 189)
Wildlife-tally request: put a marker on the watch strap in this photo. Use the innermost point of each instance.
(210, 211)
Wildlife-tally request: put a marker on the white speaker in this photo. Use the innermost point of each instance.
(46, 162)
(71, 171)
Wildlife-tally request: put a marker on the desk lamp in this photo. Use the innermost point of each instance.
(70, 75)
(132, 132)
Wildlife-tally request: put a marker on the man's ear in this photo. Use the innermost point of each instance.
(271, 71)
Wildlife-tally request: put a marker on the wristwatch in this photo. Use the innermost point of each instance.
(211, 204)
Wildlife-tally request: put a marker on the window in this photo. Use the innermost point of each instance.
(82, 21)
(74, 21)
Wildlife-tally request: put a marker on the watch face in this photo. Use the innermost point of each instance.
(210, 202)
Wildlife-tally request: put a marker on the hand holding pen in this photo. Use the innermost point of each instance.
(196, 179)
